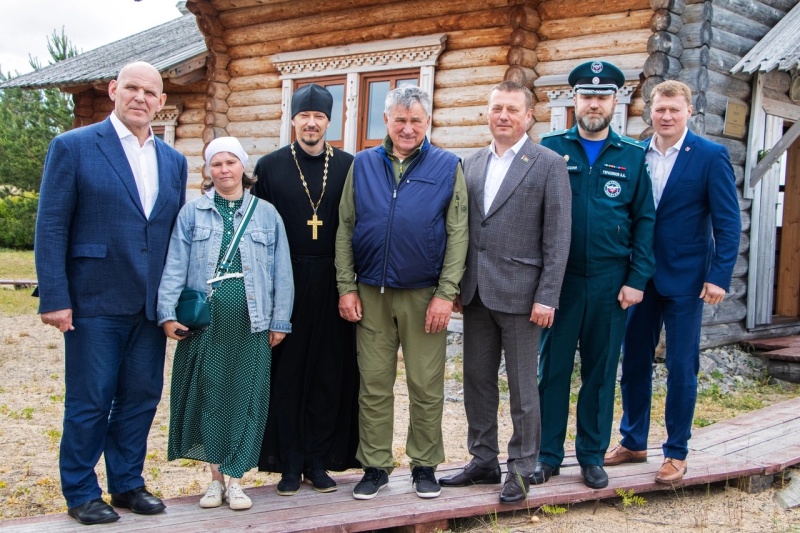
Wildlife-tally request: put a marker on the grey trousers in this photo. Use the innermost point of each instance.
(486, 334)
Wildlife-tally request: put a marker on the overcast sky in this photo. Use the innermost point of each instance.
(25, 25)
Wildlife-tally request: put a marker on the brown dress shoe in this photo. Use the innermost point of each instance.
(671, 471)
(620, 454)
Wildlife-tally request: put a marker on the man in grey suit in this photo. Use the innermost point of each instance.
(519, 233)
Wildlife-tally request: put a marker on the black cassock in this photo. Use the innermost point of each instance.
(313, 411)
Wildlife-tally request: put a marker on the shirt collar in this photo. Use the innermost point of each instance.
(514, 149)
(677, 146)
(123, 131)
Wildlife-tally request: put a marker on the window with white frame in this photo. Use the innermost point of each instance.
(359, 76)
(165, 122)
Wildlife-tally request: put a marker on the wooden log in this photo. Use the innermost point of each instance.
(219, 120)
(563, 28)
(725, 312)
(259, 145)
(722, 62)
(758, 12)
(714, 335)
(261, 81)
(524, 17)
(695, 34)
(676, 6)
(779, 96)
(193, 101)
(636, 107)
(523, 38)
(717, 103)
(587, 8)
(699, 103)
(660, 64)
(463, 77)
(475, 57)
(525, 76)
(695, 57)
(192, 116)
(635, 127)
(729, 86)
(261, 128)
(259, 11)
(491, 18)
(736, 148)
(782, 5)
(538, 129)
(647, 88)
(219, 91)
(522, 57)
(731, 42)
(714, 124)
(461, 136)
(190, 130)
(354, 19)
(541, 112)
(254, 113)
(695, 78)
(460, 116)
(582, 47)
(219, 106)
(697, 123)
(476, 38)
(257, 97)
(251, 66)
(700, 12)
(461, 96)
(665, 20)
(777, 80)
(189, 145)
(624, 62)
(738, 24)
(668, 43)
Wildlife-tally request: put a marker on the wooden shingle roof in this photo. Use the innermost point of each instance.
(780, 48)
(164, 47)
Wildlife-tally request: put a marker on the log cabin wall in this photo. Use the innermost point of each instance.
(574, 31)
(698, 42)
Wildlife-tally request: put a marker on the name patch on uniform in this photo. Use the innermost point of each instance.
(612, 189)
(573, 168)
(614, 171)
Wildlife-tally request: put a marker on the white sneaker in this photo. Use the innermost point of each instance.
(214, 495)
(237, 499)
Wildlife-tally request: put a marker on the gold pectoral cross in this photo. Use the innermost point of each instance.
(314, 223)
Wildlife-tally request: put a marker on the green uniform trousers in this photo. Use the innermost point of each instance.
(590, 313)
(390, 320)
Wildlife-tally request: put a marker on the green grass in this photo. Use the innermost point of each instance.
(17, 264)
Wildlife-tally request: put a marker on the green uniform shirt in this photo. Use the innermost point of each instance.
(456, 226)
(613, 214)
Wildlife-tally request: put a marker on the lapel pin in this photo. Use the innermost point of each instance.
(687, 148)
(524, 158)
(566, 158)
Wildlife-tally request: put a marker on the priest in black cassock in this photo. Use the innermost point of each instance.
(313, 417)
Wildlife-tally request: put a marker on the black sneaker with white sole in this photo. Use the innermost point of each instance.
(374, 480)
(424, 482)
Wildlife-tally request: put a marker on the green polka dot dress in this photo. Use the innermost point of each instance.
(220, 380)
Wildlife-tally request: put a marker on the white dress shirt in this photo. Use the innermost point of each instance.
(143, 162)
(660, 165)
(496, 171)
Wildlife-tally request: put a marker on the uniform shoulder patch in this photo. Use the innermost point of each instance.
(634, 142)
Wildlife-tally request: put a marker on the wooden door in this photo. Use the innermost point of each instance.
(787, 302)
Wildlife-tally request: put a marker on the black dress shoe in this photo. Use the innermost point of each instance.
(543, 473)
(512, 490)
(594, 476)
(138, 500)
(472, 475)
(93, 512)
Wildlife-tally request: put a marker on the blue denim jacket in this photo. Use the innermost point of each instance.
(267, 267)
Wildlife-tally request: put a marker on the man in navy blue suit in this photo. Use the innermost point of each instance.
(696, 242)
(109, 197)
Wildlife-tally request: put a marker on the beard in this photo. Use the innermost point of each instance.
(311, 138)
(595, 123)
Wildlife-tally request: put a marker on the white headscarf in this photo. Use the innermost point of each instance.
(225, 144)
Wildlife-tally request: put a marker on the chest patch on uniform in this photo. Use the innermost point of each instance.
(573, 168)
(612, 189)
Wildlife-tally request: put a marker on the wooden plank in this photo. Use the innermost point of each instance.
(788, 297)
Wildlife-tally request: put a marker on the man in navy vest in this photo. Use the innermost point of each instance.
(400, 252)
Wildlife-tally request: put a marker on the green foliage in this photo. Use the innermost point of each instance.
(553, 510)
(630, 498)
(18, 220)
(29, 119)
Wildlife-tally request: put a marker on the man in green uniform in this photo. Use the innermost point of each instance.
(610, 261)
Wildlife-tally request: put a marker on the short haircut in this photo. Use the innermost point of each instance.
(672, 88)
(405, 97)
(510, 86)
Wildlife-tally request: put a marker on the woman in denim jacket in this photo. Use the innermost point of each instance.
(221, 375)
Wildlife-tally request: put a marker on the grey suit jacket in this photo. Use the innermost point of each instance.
(518, 250)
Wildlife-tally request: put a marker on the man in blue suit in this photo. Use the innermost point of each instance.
(109, 197)
(696, 242)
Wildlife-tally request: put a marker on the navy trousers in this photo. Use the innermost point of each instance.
(114, 376)
(682, 317)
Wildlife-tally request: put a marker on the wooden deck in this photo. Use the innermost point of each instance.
(759, 443)
(782, 355)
